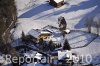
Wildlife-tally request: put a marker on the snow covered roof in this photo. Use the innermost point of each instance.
(45, 32)
(64, 54)
(51, 28)
(57, 1)
(38, 56)
(36, 33)
(67, 30)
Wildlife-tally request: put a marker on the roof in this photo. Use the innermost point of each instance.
(45, 32)
(38, 56)
(51, 29)
(57, 1)
(36, 33)
(63, 54)
(67, 30)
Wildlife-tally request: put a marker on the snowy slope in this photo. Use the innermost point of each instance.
(79, 38)
(28, 24)
(92, 49)
(75, 12)
(22, 4)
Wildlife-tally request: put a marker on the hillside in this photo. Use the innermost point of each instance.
(39, 13)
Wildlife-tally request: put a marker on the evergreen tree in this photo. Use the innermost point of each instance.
(60, 45)
(50, 42)
(51, 45)
(25, 39)
(23, 36)
(66, 45)
(41, 41)
(41, 44)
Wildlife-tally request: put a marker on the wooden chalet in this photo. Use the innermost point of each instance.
(44, 34)
(56, 3)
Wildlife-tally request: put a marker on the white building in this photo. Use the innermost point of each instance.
(56, 3)
(64, 54)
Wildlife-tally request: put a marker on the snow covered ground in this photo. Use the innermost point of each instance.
(27, 24)
(75, 12)
(92, 49)
(80, 39)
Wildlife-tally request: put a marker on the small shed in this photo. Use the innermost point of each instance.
(56, 3)
(64, 54)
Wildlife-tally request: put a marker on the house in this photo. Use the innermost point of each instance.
(60, 56)
(67, 30)
(65, 57)
(64, 54)
(44, 34)
(56, 3)
(42, 58)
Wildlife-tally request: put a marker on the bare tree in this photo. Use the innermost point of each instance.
(8, 17)
(62, 23)
(89, 22)
(93, 23)
(97, 21)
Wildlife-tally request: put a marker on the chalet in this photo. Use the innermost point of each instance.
(45, 35)
(56, 3)
(40, 34)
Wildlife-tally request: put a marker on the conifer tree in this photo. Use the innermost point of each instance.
(23, 36)
(66, 45)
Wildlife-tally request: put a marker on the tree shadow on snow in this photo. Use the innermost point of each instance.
(76, 42)
(34, 11)
(83, 5)
(96, 11)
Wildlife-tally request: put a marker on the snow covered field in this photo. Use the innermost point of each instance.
(92, 49)
(80, 39)
(75, 12)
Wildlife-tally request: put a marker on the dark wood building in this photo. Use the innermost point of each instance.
(56, 3)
